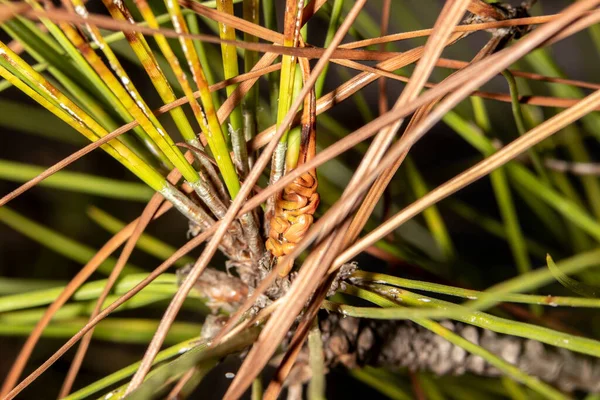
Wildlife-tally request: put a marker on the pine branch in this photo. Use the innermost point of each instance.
(355, 342)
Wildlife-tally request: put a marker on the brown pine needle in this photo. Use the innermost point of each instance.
(174, 393)
(544, 101)
(142, 222)
(252, 76)
(19, 364)
(65, 162)
(453, 99)
(324, 256)
(236, 97)
(251, 179)
(348, 88)
(385, 21)
(537, 20)
(581, 23)
(380, 185)
(111, 24)
(481, 169)
(456, 64)
(114, 243)
(140, 226)
(484, 10)
(311, 272)
(464, 80)
(189, 246)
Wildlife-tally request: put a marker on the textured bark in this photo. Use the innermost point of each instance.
(356, 342)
